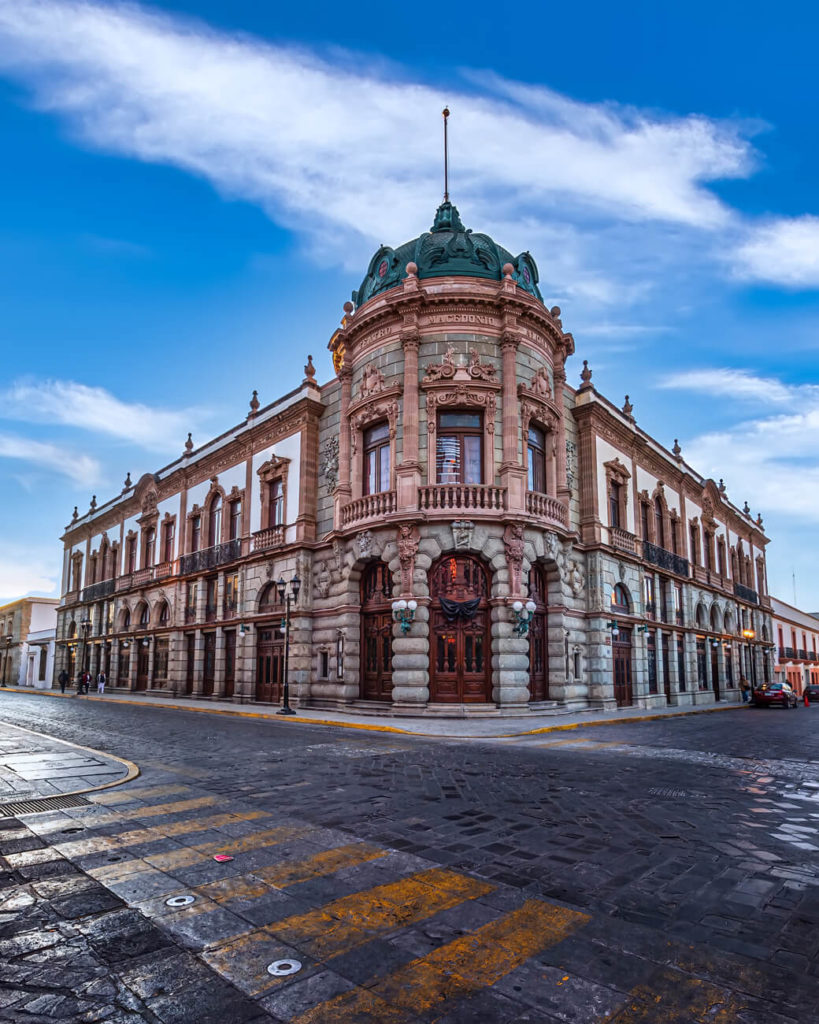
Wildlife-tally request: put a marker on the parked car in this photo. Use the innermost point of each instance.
(771, 695)
(811, 692)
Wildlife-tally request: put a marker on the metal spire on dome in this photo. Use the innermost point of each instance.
(445, 112)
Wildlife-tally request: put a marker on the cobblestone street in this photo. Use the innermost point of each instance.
(660, 871)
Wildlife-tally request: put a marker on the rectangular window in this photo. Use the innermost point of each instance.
(678, 604)
(130, 554)
(644, 520)
(161, 661)
(459, 448)
(231, 594)
(168, 536)
(324, 664)
(536, 450)
(651, 656)
(695, 545)
(721, 556)
(276, 503)
(680, 664)
(149, 547)
(196, 532)
(377, 458)
(615, 491)
(190, 603)
(212, 585)
(648, 597)
(708, 551)
(235, 520)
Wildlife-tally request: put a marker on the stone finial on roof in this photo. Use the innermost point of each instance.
(746, 508)
(721, 486)
(93, 504)
(188, 445)
(676, 450)
(309, 369)
(76, 515)
(759, 520)
(585, 375)
(254, 404)
(126, 484)
(628, 409)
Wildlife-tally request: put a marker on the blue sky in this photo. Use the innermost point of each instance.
(190, 193)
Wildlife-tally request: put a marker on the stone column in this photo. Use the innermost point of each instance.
(408, 471)
(563, 491)
(343, 490)
(512, 472)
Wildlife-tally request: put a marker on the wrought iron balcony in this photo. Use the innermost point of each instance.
(787, 652)
(210, 558)
(665, 559)
(99, 590)
(745, 593)
(802, 654)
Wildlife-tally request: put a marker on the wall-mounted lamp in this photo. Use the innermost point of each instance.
(615, 629)
(749, 634)
(125, 644)
(403, 612)
(715, 642)
(642, 629)
(244, 630)
(521, 617)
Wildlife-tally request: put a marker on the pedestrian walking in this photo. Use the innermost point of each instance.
(746, 690)
(86, 681)
(101, 681)
(806, 697)
(79, 684)
(62, 679)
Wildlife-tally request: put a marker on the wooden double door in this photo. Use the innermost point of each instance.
(269, 665)
(538, 637)
(621, 651)
(460, 647)
(376, 633)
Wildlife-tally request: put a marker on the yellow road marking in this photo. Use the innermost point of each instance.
(152, 811)
(353, 920)
(119, 797)
(458, 969)
(242, 844)
(669, 997)
(238, 887)
(325, 863)
(153, 833)
(342, 925)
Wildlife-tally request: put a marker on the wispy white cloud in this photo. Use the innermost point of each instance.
(95, 409)
(739, 384)
(782, 251)
(27, 570)
(82, 469)
(323, 142)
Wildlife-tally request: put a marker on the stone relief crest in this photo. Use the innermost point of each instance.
(364, 542)
(323, 580)
(576, 579)
(443, 370)
(329, 464)
(539, 383)
(514, 545)
(408, 539)
(372, 382)
(479, 370)
(571, 464)
(338, 556)
(462, 533)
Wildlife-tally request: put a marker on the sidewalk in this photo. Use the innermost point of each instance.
(442, 728)
(33, 766)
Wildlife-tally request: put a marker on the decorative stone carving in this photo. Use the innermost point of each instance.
(444, 370)
(188, 446)
(329, 464)
(571, 464)
(514, 545)
(364, 542)
(372, 382)
(539, 383)
(621, 571)
(309, 369)
(387, 410)
(462, 534)
(323, 580)
(254, 404)
(585, 376)
(338, 555)
(479, 370)
(552, 545)
(461, 395)
(408, 539)
(575, 578)
(304, 569)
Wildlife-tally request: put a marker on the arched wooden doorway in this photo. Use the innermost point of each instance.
(376, 632)
(538, 637)
(269, 648)
(460, 651)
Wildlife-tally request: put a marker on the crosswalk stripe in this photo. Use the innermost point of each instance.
(457, 969)
(117, 796)
(325, 863)
(174, 859)
(151, 811)
(669, 997)
(342, 925)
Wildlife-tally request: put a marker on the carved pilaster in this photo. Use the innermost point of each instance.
(408, 539)
(341, 495)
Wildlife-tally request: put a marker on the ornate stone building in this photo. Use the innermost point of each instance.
(472, 533)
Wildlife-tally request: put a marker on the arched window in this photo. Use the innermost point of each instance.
(377, 458)
(716, 624)
(126, 619)
(72, 628)
(215, 521)
(620, 599)
(702, 617)
(164, 614)
(144, 616)
(269, 600)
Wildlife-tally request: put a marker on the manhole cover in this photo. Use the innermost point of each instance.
(180, 901)
(281, 967)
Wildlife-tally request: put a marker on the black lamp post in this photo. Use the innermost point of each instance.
(285, 595)
(9, 641)
(85, 629)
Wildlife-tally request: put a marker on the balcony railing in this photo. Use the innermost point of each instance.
(371, 506)
(98, 590)
(802, 654)
(142, 576)
(271, 537)
(124, 582)
(745, 593)
(210, 558)
(461, 498)
(162, 570)
(622, 539)
(787, 652)
(665, 559)
(543, 506)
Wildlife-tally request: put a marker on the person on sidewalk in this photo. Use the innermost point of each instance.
(746, 690)
(101, 681)
(62, 679)
(79, 683)
(806, 697)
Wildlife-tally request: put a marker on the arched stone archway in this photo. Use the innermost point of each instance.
(460, 658)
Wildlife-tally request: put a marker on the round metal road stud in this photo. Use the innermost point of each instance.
(180, 901)
(281, 967)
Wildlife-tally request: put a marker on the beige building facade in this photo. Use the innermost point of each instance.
(18, 620)
(473, 534)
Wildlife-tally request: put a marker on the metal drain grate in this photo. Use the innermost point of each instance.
(46, 803)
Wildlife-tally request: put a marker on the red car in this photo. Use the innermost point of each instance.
(772, 695)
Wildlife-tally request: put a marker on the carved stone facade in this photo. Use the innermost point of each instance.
(446, 474)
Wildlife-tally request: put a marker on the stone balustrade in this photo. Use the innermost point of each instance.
(271, 537)
(461, 498)
(544, 506)
(371, 506)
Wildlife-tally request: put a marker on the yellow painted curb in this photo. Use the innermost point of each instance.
(132, 773)
(237, 712)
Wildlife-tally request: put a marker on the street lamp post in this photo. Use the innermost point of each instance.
(285, 595)
(9, 640)
(85, 629)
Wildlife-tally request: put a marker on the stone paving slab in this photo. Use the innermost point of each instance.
(430, 724)
(33, 766)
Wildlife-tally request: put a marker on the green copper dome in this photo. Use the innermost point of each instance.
(448, 249)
